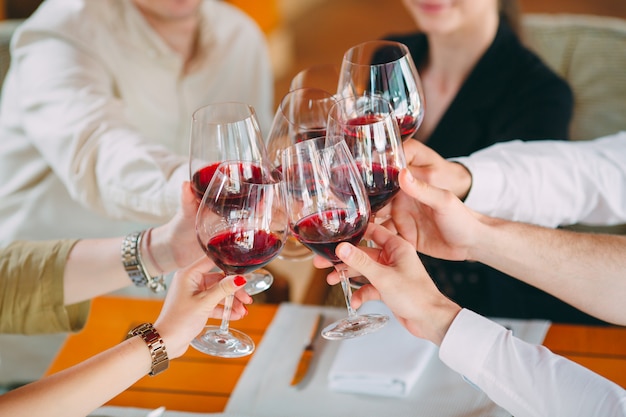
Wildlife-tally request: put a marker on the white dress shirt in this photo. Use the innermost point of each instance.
(551, 183)
(525, 379)
(96, 110)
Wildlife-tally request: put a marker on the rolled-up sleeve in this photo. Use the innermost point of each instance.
(31, 289)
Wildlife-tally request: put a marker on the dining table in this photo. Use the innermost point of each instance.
(197, 382)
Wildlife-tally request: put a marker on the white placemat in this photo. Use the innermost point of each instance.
(264, 390)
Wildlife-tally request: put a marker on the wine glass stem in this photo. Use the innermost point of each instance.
(347, 292)
(228, 306)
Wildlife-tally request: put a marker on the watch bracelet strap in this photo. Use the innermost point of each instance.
(158, 352)
(134, 265)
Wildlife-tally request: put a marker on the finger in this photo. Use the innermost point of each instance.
(378, 234)
(230, 284)
(421, 191)
(225, 287)
(321, 263)
(359, 260)
(416, 153)
(189, 203)
(365, 293)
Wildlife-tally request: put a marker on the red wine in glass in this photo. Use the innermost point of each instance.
(200, 179)
(381, 183)
(241, 251)
(408, 126)
(313, 231)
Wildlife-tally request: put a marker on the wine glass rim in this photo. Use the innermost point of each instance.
(323, 96)
(339, 105)
(247, 111)
(358, 50)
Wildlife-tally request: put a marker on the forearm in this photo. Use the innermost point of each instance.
(584, 270)
(551, 183)
(525, 379)
(94, 266)
(80, 389)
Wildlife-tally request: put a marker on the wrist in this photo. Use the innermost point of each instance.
(135, 265)
(159, 250)
(156, 347)
(442, 319)
(463, 180)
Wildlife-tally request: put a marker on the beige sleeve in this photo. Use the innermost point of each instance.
(31, 289)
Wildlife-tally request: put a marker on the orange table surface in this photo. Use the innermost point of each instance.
(201, 383)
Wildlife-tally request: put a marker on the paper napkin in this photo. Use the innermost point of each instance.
(387, 363)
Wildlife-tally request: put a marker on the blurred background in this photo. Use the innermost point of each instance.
(302, 33)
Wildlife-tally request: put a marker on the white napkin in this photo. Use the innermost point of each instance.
(388, 362)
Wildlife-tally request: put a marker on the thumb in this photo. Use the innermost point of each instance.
(225, 287)
(359, 261)
(422, 191)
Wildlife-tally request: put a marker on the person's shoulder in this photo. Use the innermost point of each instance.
(523, 65)
(66, 16)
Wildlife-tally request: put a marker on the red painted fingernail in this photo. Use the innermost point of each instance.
(240, 280)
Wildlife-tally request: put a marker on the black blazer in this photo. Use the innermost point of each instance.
(510, 94)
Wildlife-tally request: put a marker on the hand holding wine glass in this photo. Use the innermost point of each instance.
(221, 132)
(385, 68)
(327, 204)
(241, 225)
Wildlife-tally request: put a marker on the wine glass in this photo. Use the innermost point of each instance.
(327, 204)
(322, 76)
(220, 132)
(370, 130)
(385, 68)
(241, 225)
(301, 115)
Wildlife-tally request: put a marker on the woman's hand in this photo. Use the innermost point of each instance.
(192, 298)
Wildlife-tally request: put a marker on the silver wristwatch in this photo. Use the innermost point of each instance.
(160, 361)
(134, 266)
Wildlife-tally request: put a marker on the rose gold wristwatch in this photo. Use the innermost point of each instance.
(160, 361)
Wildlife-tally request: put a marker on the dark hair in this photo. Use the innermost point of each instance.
(511, 13)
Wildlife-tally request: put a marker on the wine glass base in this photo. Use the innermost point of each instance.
(230, 344)
(353, 327)
(258, 281)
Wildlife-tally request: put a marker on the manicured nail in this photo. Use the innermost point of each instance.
(240, 280)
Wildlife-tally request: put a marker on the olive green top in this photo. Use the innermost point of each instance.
(31, 289)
